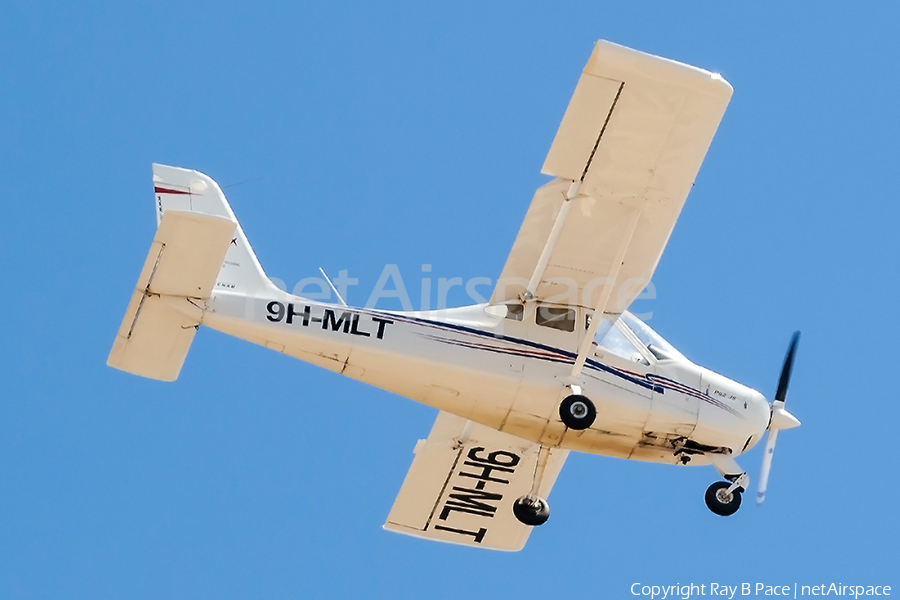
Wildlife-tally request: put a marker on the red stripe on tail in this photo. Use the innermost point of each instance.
(162, 190)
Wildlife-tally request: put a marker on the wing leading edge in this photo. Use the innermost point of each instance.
(463, 482)
(625, 157)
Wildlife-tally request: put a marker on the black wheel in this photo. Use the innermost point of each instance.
(577, 412)
(720, 501)
(531, 511)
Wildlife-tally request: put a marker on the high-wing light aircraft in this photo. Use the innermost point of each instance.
(553, 362)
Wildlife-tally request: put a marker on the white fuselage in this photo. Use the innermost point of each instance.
(509, 375)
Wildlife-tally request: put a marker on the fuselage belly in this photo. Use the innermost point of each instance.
(492, 371)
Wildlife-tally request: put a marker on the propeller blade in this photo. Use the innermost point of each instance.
(780, 419)
(785, 378)
(766, 467)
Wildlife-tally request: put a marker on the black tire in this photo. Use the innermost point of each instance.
(719, 503)
(531, 511)
(577, 412)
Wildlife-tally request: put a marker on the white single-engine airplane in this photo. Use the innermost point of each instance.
(553, 362)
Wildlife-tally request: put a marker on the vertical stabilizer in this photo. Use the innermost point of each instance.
(191, 191)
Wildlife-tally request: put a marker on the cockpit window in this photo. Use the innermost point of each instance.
(610, 338)
(657, 346)
(555, 317)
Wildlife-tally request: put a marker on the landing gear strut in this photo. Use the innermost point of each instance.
(577, 412)
(531, 509)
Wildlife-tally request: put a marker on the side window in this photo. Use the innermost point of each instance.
(555, 317)
(514, 312)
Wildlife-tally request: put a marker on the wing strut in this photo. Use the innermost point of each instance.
(549, 246)
(603, 301)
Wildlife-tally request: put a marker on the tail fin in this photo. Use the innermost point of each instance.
(192, 191)
(199, 247)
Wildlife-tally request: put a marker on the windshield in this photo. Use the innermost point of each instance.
(610, 338)
(654, 342)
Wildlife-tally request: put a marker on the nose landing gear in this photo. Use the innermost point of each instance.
(721, 501)
(724, 497)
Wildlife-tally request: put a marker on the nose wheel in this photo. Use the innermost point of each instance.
(723, 498)
(531, 510)
(577, 412)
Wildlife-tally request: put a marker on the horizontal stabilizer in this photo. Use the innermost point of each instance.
(160, 322)
(463, 482)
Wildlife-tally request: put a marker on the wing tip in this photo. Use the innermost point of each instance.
(610, 54)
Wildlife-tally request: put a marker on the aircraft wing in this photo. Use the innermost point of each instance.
(626, 154)
(463, 482)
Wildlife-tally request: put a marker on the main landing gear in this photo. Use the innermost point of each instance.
(577, 412)
(724, 497)
(531, 509)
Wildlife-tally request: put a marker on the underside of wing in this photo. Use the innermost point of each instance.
(625, 157)
(463, 482)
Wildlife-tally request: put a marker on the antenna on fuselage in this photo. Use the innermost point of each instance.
(336, 293)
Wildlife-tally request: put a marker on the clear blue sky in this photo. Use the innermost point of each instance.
(361, 135)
